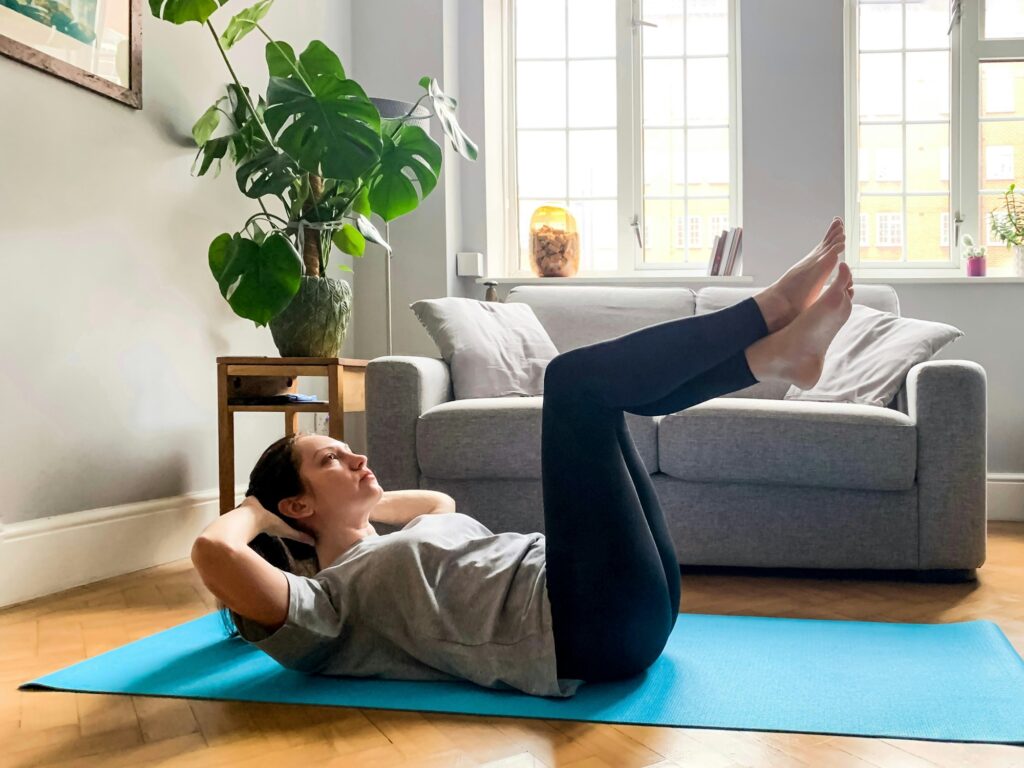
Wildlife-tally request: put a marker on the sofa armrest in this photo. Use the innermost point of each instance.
(947, 399)
(398, 389)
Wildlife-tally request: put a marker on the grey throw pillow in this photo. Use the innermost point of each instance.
(493, 349)
(868, 360)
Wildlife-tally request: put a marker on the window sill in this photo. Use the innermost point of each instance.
(933, 276)
(676, 279)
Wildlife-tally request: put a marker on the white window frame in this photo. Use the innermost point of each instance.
(966, 51)
(502, 191)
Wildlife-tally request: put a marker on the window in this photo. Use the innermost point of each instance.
(999, 162)
(572, 139)
(680, 232)
(899, 98)
(940, 166)
(696, 232)
(864, 236)
(890, 229)
(718, 223)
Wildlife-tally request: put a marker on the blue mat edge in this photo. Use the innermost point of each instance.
(38, 686)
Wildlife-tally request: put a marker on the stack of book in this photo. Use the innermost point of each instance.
(727, 253)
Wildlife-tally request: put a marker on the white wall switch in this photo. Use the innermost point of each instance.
(469, 264)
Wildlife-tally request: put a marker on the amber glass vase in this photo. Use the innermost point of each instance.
(554, 242)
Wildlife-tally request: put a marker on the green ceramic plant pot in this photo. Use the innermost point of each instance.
(314, 324)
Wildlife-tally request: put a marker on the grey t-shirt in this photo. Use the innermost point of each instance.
(443, 598)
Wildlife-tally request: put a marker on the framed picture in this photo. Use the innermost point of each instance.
(96, 44)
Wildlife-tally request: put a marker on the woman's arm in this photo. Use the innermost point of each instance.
(234, 573)
(400, 507)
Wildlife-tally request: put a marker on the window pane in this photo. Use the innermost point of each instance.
(592, 164)
(591, 28)
(926, 146)
(928, 86)
(999, 257)
(707, 91)
(667, 39)
(596, 221)
(927, 24)
(880, 91)
(540, 28)
(540, 94)
(664, 162)
(880, 156)
(714, 217)
(1000, 88)
(592, 94)
(658, 231)
(541, 161)
(1004, 18)
(707, 27)
(708, 166)
(663, 92)
(924, 228)
(1001, 145)
(880, 27)
(884, 216)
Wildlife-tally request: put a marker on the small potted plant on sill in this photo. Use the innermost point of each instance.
(975, 258)
(1008, 226)
(317, 147)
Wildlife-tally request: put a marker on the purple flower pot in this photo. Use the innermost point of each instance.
(976, 267)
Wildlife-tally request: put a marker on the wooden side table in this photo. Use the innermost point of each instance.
(346, 378)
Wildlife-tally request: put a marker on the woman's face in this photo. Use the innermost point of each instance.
(340, 487)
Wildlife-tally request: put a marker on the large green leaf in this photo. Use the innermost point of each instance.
(331, 131)
(444, 108)
(211, 152)
(244, 22)
(207, 124)
(268, 173)
(412, 154)
(258, 280)
(281, 61)
(349, 240)
(180, 11)
(320, 61)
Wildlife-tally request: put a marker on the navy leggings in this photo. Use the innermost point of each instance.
(612, 573)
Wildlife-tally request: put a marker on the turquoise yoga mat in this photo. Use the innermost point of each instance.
(949, 682)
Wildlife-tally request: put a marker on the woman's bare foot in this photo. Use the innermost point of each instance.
(801, 284)
(796, 354)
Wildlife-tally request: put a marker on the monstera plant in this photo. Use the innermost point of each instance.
(317, 158)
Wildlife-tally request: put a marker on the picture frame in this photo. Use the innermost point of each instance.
(96, 44)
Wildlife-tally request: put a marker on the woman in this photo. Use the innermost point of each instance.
(593, 598)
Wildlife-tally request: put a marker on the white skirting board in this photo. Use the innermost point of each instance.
(51, 554)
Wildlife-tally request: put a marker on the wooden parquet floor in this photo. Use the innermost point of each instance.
(67, 729)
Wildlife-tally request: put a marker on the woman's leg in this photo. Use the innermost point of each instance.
(613, 575)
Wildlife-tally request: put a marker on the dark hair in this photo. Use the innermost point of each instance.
(274, 477)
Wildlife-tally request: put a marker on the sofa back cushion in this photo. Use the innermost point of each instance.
(577, 315)
(715, 297)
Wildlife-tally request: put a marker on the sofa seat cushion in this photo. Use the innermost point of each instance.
(790, 442)
(499, 437)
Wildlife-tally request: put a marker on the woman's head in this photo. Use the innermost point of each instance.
(315, 483)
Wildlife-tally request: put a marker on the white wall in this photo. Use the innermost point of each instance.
(112, 321)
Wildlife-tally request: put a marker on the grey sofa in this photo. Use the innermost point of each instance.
(747, 479)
